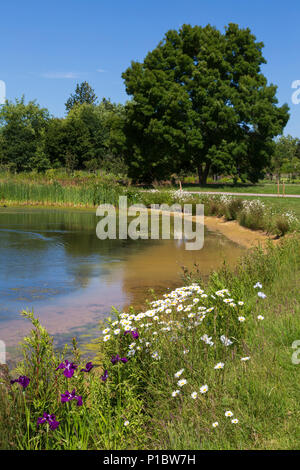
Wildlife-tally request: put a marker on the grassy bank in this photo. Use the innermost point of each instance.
(280, 205)
(164, 377)
(275, 216)
(86, 194)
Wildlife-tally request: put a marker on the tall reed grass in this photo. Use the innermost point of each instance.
(89, 195)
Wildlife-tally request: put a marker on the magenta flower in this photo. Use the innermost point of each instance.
(50, 419)
(104, 376)
(69, 368)
(22, 380)
(65, 397)
(88, 367)
(115, 359)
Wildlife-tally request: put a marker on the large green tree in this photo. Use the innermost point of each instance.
(22, 128)
(89, 137)
(200, 101)
(84, 93)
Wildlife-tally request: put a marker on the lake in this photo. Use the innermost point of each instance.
(53, 262)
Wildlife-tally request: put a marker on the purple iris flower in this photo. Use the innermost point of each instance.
(104, 376)
(88, 367)
(134, 333)
(117, 358)
(65, 397)
(50, 419)
(69, 368)
(22, 380)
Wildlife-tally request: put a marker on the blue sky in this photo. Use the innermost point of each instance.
(47, 47)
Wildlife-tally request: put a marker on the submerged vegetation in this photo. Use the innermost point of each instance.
(207, 366)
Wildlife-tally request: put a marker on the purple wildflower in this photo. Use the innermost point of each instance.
(69, 368)
(65, 397)
(134, 333)
(104, 376)
(88, 367)
(50, 419)
(117, 358)
(22, 380)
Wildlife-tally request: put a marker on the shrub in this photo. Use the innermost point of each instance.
(234, 207)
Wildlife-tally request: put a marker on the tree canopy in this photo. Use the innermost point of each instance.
(22, 128)
(84, 93)
(286, 156)
(200, 101)
(90, 137)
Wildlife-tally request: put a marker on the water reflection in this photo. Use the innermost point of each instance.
(52, 261)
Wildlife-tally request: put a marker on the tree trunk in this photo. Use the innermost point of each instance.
(203, 173)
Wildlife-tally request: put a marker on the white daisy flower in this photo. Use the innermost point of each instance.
(220, 365)
(178, 374)
(228, 414)
(181, 382)
(204, 389)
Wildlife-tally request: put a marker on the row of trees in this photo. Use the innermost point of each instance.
(90, 137)
(199, 102)
(286, 157)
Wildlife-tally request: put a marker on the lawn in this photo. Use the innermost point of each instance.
(280, 203)
(260, 188)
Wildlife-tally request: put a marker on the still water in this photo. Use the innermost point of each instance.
(52, 262)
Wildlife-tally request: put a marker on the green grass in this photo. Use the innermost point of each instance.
(263, 188)
(89, 194)
(262, 393)
(280, 204)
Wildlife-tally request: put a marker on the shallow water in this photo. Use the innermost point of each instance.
(52, 261)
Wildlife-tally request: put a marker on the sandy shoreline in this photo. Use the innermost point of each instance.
(236, 233)
(230, 229)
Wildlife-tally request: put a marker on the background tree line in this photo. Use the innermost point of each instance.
(199, 102)
(89, 137)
